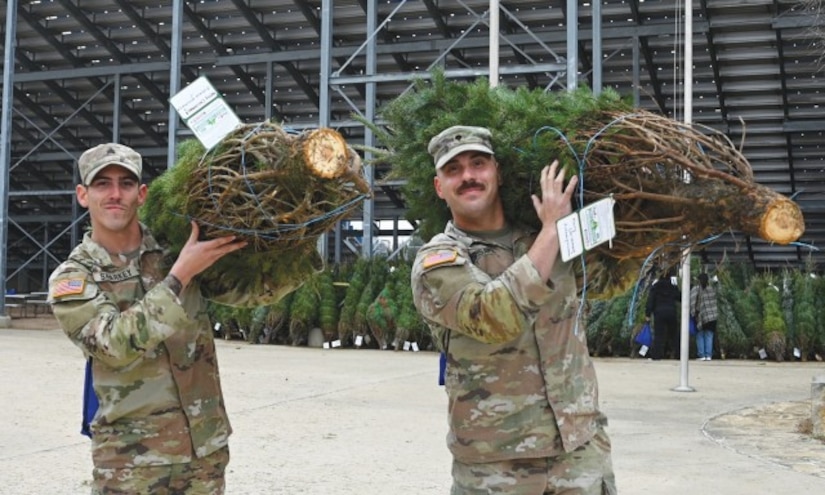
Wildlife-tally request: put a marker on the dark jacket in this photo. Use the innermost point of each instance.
(663, 299)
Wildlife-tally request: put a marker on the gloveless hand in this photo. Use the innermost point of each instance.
(555, 201)
(196, 256)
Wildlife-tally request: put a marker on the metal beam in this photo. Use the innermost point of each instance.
(450, 73)
(803, 125)
(657, 29)
(269, 40)
(5, 141)
(209, 37)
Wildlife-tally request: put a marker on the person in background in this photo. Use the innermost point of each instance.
(523, 398)
(161, 425)
(662, 303)
(704, 310)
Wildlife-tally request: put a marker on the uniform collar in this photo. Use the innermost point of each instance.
(519, 233)
(98, 252)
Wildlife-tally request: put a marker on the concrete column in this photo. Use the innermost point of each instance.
(818, 406)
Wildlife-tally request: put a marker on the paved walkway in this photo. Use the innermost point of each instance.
(366, 422)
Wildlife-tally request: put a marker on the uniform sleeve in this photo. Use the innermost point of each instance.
(450, 291)
(96, 325)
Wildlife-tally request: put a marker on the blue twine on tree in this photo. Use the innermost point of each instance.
(276, 232)
(273, 234)
(581, 161)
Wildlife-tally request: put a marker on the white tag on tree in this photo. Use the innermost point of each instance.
(797, 353)
(643, 350)
(415, 346)
(406, 345)
(359, 339)
(762, 354)
(194, 97)
(583, 230)
(597, 223)
(217, 326)
(570, 237)
(336, 343)
(214, 123)
(326, 345)
(205, 112)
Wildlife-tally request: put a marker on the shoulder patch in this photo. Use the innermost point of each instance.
(68, 287)
(440, 258)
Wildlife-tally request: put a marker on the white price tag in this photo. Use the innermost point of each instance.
(583, 230)
(213, 123)
(205, 112)
(193, 97)
(570, 237)
(597, 223)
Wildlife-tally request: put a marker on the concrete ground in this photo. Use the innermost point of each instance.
(364, 422)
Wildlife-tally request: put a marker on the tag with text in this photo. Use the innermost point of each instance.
(583, 230)
(205, 112)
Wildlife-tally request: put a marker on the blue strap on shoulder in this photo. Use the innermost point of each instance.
(90, 403)
(442, 367)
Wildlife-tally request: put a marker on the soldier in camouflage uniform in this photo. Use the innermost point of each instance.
(161, 426)
(523, 400)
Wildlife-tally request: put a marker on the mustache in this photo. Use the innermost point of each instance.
(468, 185)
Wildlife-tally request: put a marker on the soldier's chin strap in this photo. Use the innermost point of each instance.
(90, 403)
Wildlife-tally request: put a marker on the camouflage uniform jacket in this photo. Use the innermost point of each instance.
(154, 364)
(520, 381)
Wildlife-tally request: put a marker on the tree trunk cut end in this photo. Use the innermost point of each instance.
(782, 222)
(326, 154)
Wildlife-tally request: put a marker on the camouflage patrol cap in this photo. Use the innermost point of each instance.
(458, 139)
(95, 159)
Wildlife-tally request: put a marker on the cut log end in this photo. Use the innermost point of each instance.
(782, 222)
(326, 154)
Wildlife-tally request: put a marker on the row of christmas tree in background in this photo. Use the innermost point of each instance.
(762, 314)
(368, 304)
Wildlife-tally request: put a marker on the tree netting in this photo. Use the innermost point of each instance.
(674, 184)
(279, 191)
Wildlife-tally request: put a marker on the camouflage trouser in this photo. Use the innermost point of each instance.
(586, 471)
(204, 476)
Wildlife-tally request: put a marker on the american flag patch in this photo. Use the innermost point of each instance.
(440, 258)
(68, 287)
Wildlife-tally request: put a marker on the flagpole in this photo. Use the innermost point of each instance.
(684, 347)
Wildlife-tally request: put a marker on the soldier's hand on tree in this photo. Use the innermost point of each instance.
(553, 205)
(196, 256)
(555, 201)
